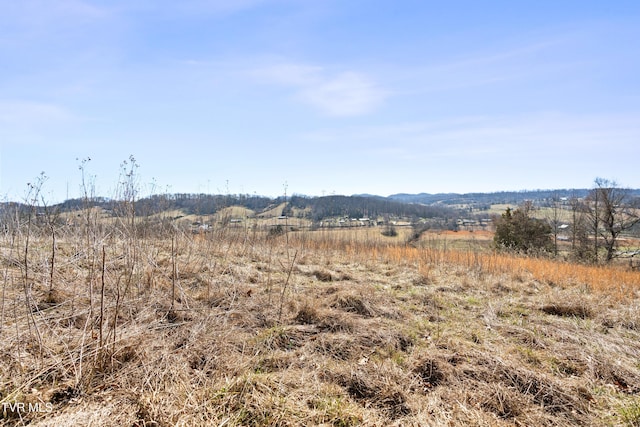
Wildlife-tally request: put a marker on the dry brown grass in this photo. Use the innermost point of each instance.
(372, 332)
(612, 280)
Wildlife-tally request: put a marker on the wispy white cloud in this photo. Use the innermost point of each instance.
(28, 112)
(346, 94)
(25, 123)
(183, 8)
(35, 17)
(290, 74)
(485, 153)
(336, 93)
(215, 6)
(552, 135)
(516, 61)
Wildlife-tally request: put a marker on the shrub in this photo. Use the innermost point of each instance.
(389, 231)
(518, 231)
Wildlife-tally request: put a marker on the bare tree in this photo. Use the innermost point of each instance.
(612, 211)
(581, 247)
(554, 218)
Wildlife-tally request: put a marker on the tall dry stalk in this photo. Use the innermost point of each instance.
(9, 260)
(174, 270)
(126, 215)
(52, 265)
(33, 195)
(51, 219)
(116, 313)
(90, 230)
(284, 287)
(102, 297)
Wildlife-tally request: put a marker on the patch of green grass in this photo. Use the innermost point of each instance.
(630, 414)
(334, 410)
(529, 355)
(473, 300)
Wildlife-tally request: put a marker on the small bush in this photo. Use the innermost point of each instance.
(519, 232)
(389, 231)
(278, 230)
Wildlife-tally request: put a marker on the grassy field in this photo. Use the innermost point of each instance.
(238, 327)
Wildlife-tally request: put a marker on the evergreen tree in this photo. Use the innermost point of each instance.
(516, 230)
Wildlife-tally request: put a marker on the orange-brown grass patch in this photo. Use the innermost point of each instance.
(613, 280)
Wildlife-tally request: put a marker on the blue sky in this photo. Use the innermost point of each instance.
(327, 96)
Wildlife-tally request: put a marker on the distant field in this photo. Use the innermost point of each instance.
(541, 213)
(481, 235)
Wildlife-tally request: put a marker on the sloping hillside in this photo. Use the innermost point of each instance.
(311, 329)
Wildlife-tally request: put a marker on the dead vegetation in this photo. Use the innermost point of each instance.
(237, 328)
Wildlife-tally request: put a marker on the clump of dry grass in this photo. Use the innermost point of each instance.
(323, 275)
(378, 389)
(354, 304)
(568, 310)
(431, 373)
